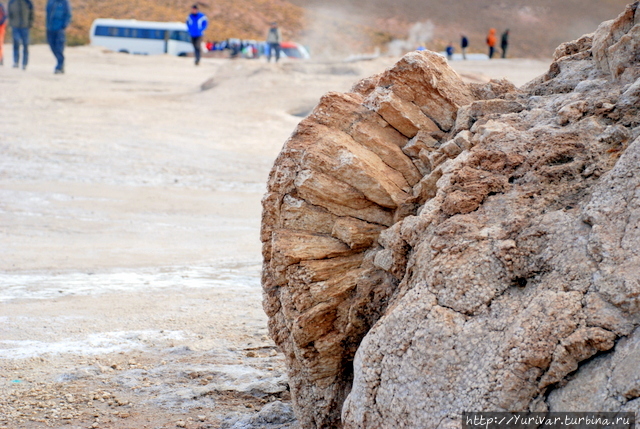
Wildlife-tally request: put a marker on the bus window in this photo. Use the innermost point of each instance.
(101, 30)
(181, 36)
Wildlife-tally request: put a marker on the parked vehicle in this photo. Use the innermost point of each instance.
(294, 50)
(141, 37)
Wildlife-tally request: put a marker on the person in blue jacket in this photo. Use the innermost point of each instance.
(197, 22)
(58, 19)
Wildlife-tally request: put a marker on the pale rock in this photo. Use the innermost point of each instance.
(427, 188)
(423, 167)
(274, 415)
(571, 48)
(421, 141)
(571, 112)
(451, 149)
(609, 383)
(494, 107)
(426, 156)
(611, 56)
(615, 135)
(464, 120)
(495, 88)
(403, 115)
(464, 140)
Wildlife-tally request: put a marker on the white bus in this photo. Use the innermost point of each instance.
(141, 37)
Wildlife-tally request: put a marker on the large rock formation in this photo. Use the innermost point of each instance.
(433, 247)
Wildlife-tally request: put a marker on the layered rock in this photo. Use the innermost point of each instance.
(432, 247)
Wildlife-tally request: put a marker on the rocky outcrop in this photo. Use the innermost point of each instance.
(432, 247)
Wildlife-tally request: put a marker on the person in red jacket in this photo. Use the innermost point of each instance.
(3, 27)
(491, 42)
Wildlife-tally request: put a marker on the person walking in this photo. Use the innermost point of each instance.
(197, 22)
(504, 43)
(449, 50)
(274, 38)
(491, 42)
(58, 19)
(3, 27)
(464, 44)
(21, 21)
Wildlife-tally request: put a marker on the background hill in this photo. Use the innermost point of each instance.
(336, 27)
(537, 27)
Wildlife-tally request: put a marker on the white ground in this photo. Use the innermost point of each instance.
(129, 232)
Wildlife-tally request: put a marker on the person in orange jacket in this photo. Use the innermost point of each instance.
(491, 42)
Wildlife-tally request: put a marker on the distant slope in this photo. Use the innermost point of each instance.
(227, 18)
(536, 27)
(339, 27)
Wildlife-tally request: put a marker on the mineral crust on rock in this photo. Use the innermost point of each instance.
(432, 247)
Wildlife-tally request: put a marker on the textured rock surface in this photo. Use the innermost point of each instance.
(433, 247)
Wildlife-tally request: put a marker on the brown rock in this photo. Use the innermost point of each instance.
(297, 214)
(425, 79)
(339, 198)
(336, 154)
(356, 233)
(319, 270)
(298, 246)
(432, 247)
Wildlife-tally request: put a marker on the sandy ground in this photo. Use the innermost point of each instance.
(129, 233)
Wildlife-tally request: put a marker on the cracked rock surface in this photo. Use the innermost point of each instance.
(432, 247)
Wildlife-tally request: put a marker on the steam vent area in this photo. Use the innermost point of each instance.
(433, 247)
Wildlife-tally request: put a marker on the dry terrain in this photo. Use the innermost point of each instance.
(130, 260)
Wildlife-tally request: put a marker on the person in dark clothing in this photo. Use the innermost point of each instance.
(21, 21)
(274, 39)
(504, 43)
(197, 22)
(58, 19)
(464, 44)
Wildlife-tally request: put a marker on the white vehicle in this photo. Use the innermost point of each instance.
(141, 37)
(294, 50)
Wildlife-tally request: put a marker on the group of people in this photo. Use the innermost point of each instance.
(491, 43)
(19, 15)
(197, 23)
(492, 40)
